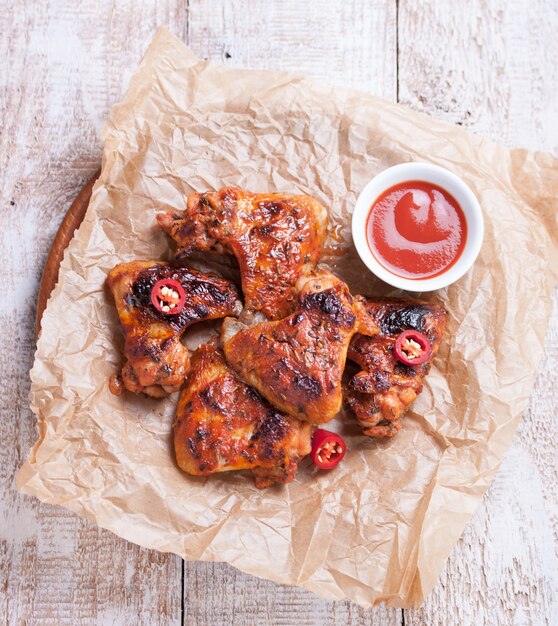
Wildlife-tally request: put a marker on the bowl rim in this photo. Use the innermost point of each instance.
(430, 173)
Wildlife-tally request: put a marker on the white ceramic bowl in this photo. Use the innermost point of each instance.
(431, 174)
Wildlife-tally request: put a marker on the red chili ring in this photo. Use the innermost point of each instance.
(328, 448)
(172, 300)
(406, 352)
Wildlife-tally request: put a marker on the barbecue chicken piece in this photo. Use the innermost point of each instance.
(297, 363)
(380, 394)
(276, 239)
(155, 360)
(222, 424)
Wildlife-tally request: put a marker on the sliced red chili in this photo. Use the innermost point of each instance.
(412, 348)
(168, 296)
(327, 448)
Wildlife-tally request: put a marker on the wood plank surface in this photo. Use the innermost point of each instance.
(61, 78)
(488, 65)
(309, 38)
(350, 43)
(217, 594)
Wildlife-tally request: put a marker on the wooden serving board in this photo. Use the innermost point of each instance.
(70, 223)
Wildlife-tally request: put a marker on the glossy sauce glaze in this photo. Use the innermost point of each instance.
(416, 230)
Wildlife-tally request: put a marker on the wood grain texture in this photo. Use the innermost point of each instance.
(64, 65)
(216, 594)
(484, 64)
(349, 43)
(487, 65)
(353, 44)
(64, 235)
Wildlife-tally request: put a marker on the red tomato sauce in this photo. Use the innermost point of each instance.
(416, 230)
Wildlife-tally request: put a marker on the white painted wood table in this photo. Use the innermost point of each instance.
(489, 66)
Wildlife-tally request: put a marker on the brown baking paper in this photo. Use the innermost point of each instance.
(380, 526)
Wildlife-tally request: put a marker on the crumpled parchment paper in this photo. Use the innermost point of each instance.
(380, 526)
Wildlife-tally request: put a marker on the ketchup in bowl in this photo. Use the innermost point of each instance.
(416, 230)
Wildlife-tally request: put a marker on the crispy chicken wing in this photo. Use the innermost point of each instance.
(276, 239)
(297, 363)
(155, 360)
(380, 394)
(222, 424)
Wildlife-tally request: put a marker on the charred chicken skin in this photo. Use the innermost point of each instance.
(380, 394)
(276, 239)
(222, 424)
(297, 363)
(155, 360)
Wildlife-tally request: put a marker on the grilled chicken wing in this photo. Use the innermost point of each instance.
(276, 239)
(380, 394)
(297, 363)
(156, 361)
(222, 424)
